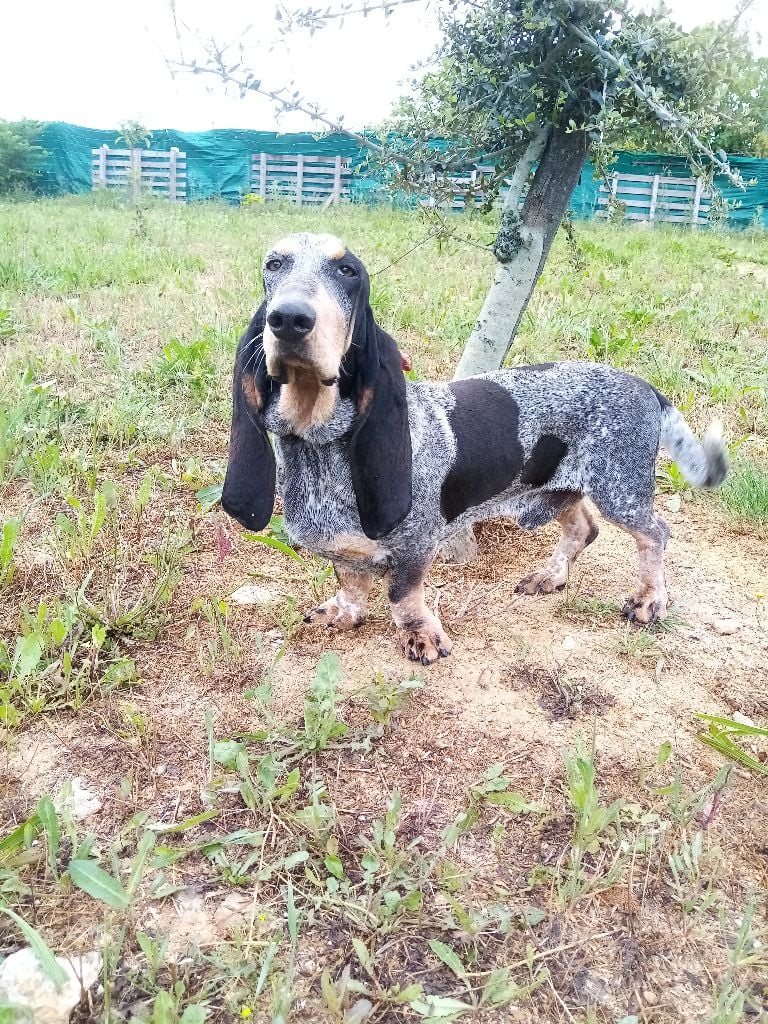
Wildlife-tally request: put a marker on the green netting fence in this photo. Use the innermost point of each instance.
(219, 163)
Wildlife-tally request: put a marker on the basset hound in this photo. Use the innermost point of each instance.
(376, 471)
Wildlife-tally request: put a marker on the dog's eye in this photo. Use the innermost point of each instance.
(346, 271)
(274, 264)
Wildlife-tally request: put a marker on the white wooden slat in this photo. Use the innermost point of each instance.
(291, 158)
(160, 172)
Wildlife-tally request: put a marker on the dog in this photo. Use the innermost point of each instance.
(376, 471)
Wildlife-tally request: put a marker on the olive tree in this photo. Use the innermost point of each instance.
(531, 87)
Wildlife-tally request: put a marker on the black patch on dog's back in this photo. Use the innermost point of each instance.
(489, 456)
(546, 455)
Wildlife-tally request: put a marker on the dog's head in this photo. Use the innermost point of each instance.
(316, 331)
(315, 289)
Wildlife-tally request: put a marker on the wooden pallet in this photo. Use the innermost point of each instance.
(159, 172)
(301, 177)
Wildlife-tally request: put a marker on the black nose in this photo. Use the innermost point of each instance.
(291, 320)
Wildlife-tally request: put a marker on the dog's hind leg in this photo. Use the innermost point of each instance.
(349, 606)
(577, 530)
(650, 600)
(419, 631)
(634, 513)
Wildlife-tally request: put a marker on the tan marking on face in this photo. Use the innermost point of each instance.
(334, 249)
(322, 350)
(366, 397)
(328, 341)
(287, 246)
(251, 392)
(304, 400)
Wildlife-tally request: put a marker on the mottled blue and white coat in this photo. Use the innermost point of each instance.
(375, 472)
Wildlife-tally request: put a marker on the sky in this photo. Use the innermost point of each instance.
(100, 62)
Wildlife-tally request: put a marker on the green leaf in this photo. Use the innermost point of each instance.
(225, 752)
(449, 958)
(409, 993)
(184, 826)
(164, 1011)
(335, 867)
(664, 752)
(26, 655)
(210, 495)
(17, 839)
(330, 995)
(88, 876)
(733, 726)
(499, 988)
(364, 956)
(300, 857)
(278, 545)
(439, 1007)
(51, 967)
(513, 802)
(195, 1013)
(533, 916)
(49, 819)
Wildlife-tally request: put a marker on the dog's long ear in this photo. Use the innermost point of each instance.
(380, 446)
(249, 485)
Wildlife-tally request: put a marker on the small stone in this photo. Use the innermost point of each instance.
(725, 627)
(76, 800)
(568, 643)
(673, 503)
(650, 997)
(24, 983)
(359, 1011)
(233, 912)
(252, 594)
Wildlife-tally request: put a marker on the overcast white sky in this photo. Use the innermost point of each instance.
(98, 62)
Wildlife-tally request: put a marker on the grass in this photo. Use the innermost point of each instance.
(281, 842)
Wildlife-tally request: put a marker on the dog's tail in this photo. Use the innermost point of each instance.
(702, 463)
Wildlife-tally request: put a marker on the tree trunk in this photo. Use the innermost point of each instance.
(533, 232)
(530, 237)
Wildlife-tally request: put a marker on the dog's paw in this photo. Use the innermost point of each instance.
(645, 608)
(336, 613)
(424, 643)
(544, 581)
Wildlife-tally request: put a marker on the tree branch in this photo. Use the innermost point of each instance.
(524, 167)
(310, 14)
(661, 110)
(248, 83)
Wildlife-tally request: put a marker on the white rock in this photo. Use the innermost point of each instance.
(23, 983)
(737, 716)
(252, 594)
(568, 643)
(233, 912)
(725, 626)
(75, 799)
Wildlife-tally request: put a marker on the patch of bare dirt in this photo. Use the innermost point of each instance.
(527, 676)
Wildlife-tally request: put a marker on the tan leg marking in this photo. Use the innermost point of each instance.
(349, 606)
(650, 601)
(578, 529)
(419, 631)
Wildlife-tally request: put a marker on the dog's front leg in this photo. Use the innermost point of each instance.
(419, 630)
(349, 606)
